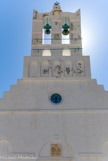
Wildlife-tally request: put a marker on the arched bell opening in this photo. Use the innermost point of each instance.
(65, 30)
(47, 30)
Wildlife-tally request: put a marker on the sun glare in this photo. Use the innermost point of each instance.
(87, 40)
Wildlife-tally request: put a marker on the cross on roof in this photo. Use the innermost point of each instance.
(56, 3)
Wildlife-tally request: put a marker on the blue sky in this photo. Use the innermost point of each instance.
(16, 35)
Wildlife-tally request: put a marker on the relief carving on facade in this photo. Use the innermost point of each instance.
(57, 70)
(68, 69)
(56, 150)
(45, 69)
(80, 69)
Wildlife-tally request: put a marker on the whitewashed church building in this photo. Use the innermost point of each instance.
(56, 112)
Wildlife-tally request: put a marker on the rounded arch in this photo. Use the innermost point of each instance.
(47, 20)
(5, 147)
(57, 68)
(56, 62)
(32, 71)
(80, 62)
(80, 68)
(66, 20)
(46, 149)
(68, 68)
(45, 68)
(65, 30)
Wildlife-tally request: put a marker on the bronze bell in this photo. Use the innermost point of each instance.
(65, 29)
(47, 27)
(47, 31)
(65, 32)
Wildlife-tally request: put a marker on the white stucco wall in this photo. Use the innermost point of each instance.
(30, 123)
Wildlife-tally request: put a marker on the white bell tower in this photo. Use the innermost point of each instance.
(56, 112)
(62, 57)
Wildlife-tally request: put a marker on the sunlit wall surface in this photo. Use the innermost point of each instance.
(16, 35)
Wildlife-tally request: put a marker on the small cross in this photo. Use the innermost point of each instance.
(56, 3)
